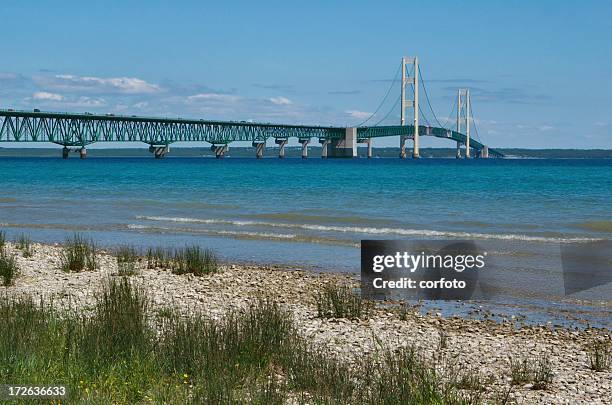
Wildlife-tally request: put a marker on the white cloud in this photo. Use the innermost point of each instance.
(128, 85)
(546, 128)
(214, 97)
(44, 95)
(358, 114)
(141, 105)
(280, 101)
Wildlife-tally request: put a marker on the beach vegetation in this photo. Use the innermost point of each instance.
(600, 355)
(79, 254)
(2, 239)
(340, 301)
(8, 268)
(115, 354)
(127, 260)
(159, 258)
(536, 371)
(194, 260)
(24, 243)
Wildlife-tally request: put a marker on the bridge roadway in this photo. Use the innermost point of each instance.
(82, 129)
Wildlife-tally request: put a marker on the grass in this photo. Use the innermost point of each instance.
(24, 243)
(340, 301)
(2, 239)
(127, 259)
(79, 254)
(194, 260)
(600, 355)
(537, 371)
(190, 259)
(116, 354)
(8, 268)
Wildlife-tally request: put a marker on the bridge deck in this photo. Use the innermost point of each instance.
(71, 129)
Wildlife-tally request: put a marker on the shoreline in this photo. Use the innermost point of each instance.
(484, 345)
(480, 344)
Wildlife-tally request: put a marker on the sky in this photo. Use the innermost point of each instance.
(540, 73)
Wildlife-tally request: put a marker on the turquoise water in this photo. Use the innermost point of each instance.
(313, 213)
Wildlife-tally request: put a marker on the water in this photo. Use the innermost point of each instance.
(313, 213)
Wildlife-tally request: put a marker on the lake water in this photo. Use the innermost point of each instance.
(314, 212)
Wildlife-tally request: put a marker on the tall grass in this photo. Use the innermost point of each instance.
(537, 371)
(190, 259)
(2, 239)
(79, 254)
(340, 301)
(8, 268)
(117, 354)
(194, 260)
(24, 243)
(600, 355)
(127, 259)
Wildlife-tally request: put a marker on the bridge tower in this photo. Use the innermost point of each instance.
(464, 115)
(414, 103)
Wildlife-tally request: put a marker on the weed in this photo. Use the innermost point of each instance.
(79, 254)
(8, 268)
(194, 260)
(340, 301)
(127, 258)
(600, 355)
(537, 371)
(24, 243)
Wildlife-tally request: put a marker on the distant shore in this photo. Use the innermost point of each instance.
(485, 346)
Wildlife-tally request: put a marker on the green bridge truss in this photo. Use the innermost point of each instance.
(69, 129)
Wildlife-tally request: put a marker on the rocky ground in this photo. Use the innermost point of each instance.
(482, 346)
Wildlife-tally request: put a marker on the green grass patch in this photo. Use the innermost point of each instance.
(127, 261)
(340, 301)
(600, 355)
(194, 260)
(24, 243)
(2, 239)
(116, 354)
(79, 254)
(8, 268)
(535, 371)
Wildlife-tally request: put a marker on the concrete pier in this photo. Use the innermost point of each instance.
(484, 153)
(402, 153)
(65, 153)
(259, 148)
(324, 144)
(458, 155)
(304, 143)
(83, 153)
(281, 142)
(368, 142)
(220, 150)
(345, 147)
(159, 151)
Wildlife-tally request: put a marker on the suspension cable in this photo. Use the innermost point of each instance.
(450, 116)
(474, 122)
(390, 111)
(384, 98)
(427, 98)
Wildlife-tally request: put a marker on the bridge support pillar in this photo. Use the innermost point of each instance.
(83, 152)
(368, 142)
(402, 153)
(304, 143)
(219, 150)
(281, 142)
(484, 153)
(324, 144)
(159, 151)
(65, 153)
(259, 148)
(345, 147)
(458, 155)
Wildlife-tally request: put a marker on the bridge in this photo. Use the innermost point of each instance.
(77, 130)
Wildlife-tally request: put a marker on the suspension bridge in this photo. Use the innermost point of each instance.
(75, 131)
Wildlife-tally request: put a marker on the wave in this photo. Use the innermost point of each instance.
(598, 226)
(373, 230)
(245, 235)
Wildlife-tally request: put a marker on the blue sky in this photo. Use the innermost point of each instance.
(539, 72)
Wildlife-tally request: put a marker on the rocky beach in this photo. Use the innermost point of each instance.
(485, 347)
